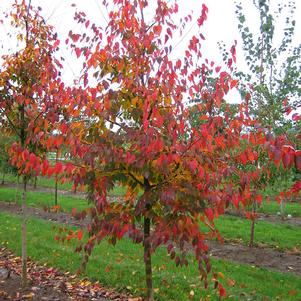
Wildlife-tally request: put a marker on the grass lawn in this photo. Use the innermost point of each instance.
(281, 236)
(41, 181)
(49, 183)
(273, 208)
(122, 267)
(43, 199)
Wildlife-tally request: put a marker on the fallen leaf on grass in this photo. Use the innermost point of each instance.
(231, 282)
(292, 293)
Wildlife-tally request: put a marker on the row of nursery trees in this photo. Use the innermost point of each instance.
(127, 124)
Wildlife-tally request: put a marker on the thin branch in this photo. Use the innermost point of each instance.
(135, 179)
(12, 125)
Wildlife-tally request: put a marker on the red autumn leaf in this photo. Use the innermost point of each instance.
(209, 214)
(296, 117)
(243, 158)
(74, 37)
(44, 167)
(79, 235)
(32, 159)
(58, 168)
(258, 198)
(233, 83)
(277, 156)
(278, 199)
(25, 155)
(73, 211)
(231, 282)
(286, 160)
(56, 44)
(217, 69)
(298, 159)
(296, 188)
(78, 52)
(222, 291)
(248, 97)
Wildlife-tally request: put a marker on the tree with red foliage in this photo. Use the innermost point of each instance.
(134, 132)
(30, 91)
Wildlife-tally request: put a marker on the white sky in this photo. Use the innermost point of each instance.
(221, 25)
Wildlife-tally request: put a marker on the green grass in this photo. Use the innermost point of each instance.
(122, 266)
(273, 208)
(50, 183)
(283, 236)
(41, 181)
(43, 199)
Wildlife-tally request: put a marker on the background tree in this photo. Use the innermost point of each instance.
(271, 80)
(29, 95)
(5, 165)
(272, 74)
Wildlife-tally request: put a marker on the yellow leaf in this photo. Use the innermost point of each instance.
(221, 275)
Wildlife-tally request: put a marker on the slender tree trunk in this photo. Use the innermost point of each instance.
(3, 178)
(148, 260)
(17, 189)
(35, 182)
(251, 243)
(55, 185)
(55, 192)
(282, 209)
(24, 206)
(24, 234)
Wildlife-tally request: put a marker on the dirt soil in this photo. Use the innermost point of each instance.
(294, 221)
(48, 284)
(258, 256)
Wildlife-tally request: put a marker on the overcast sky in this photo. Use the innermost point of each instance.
(221, 25)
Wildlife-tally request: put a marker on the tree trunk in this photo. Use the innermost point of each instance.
(282, 209)
(148, 260)
(35, 182)
(55, 192)
(3, 178)
(251, 243)
(23, 234)
(17, 189)
(55, 185)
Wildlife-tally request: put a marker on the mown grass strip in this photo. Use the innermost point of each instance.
(44, 199)
(41, 181)
(122, 267)
(50, 183)
(282, 236)
(294, 209)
